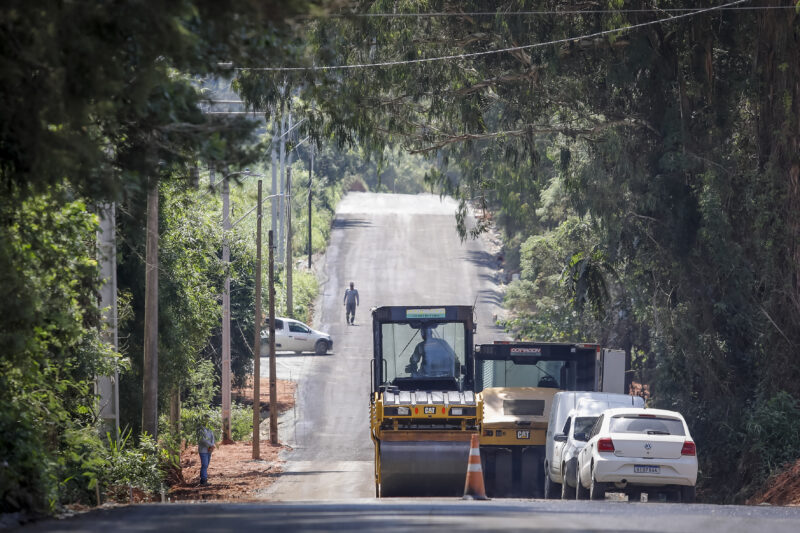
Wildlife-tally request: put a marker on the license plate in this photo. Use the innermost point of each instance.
(523, 433)
(430, 410)
(646, 469)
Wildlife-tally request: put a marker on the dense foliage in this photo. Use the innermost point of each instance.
(644, 167)
(100, 101)
(50, 340)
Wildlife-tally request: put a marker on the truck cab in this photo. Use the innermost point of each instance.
(516, 383)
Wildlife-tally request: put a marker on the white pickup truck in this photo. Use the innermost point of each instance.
(294, 336)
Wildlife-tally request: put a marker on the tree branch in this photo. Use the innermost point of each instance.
(531, 129)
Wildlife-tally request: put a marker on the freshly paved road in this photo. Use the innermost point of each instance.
(433, 515)
(398, 250)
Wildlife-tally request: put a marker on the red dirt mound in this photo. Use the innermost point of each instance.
(286, 390)
(782, 489)
(233, 474)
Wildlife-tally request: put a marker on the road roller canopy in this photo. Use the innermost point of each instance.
(422, 348)
(561, 366)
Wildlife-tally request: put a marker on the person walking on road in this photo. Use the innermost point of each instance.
(351, 302)
(205, 446)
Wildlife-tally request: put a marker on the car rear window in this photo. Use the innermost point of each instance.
(646, 425)
(583, 424)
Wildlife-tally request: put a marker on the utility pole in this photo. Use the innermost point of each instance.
(226, 315)
(175, 394)
(282, 181)
(273, 383)
(289, 292)
(310, 182)
(107, 387)
(257, 340)
(274, 167)
(288, 199)
(150, 367)
(175, 410)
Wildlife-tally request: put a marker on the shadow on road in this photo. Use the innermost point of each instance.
(311, 472)
(481, 258)
(288, 355)
(490, 297)
(350, 223)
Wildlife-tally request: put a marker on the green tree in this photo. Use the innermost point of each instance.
(51, 344)
(98, 101)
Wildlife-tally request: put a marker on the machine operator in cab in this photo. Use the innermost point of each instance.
(432, 357)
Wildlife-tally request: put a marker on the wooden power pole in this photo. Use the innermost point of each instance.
(257, 339)
(150, 367)
(273, 382)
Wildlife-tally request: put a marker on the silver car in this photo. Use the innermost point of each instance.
(294, 336)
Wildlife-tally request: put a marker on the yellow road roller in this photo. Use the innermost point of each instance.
(423, 406)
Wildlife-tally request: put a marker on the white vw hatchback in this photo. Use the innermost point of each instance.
(635, 450)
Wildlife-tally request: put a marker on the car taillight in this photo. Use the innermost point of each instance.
(605, 445)
(688, 448)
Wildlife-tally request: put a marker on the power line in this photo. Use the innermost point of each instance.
(489, 52)
(253, 112)
(551, 12)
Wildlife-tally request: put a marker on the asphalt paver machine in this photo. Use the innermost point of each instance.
(423, 406)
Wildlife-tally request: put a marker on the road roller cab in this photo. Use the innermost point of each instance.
(423, 406)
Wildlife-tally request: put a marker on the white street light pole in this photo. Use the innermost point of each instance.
(107, 387)
(281, 184)
(226, 316)
(274, 167)
(226, 306)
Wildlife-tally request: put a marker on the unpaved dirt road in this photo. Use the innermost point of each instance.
(399, 250)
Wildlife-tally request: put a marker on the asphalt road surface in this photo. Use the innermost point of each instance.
(433, 515)
(399, 250)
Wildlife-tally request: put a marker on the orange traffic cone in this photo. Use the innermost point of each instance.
(474, 488)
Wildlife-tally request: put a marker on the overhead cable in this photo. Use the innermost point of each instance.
(549, 12)
(490, 52)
